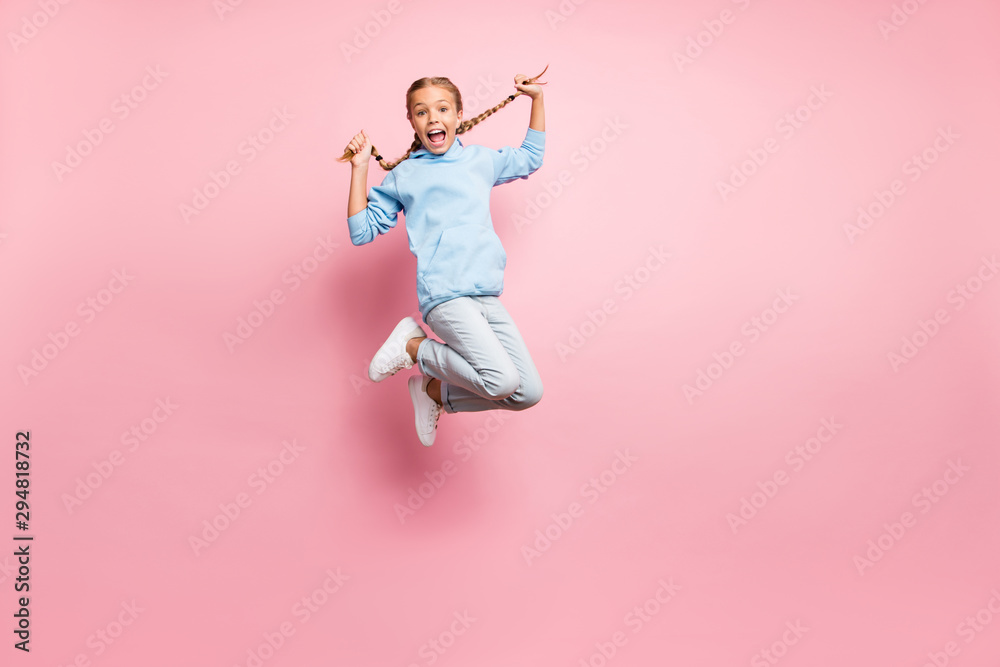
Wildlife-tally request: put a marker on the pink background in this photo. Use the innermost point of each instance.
(660, 139)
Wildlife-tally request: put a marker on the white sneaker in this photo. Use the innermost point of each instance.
(392, 357)
(426, 410)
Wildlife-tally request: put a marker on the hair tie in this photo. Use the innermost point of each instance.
(510, 97)
(378, 157)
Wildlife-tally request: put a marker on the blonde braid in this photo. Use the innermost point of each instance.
(388, 166)
(467, 125)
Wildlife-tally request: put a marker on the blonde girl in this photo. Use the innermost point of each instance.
(443, 187)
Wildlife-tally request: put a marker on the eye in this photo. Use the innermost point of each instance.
(444, 109)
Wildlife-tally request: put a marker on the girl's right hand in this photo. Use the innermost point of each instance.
(362, 147)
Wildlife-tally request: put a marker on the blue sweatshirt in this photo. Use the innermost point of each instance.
(446, 201)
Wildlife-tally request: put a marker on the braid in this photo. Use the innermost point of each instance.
(463, 127)
(388, 166)
(467, 125)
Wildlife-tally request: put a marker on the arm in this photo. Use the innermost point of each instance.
(374, 214)
(537, 121)
(358, 199)
(361, 148)
(534, 91)
(510, 164)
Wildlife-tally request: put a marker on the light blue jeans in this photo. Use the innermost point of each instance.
(483, 363)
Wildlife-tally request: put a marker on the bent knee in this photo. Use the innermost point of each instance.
(527, 395)
(503, 384)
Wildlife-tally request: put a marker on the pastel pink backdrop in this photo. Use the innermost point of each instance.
(662, 134)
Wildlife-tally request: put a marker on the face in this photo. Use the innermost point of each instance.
(432, 110)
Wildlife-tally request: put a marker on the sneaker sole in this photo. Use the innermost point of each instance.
(414, 383)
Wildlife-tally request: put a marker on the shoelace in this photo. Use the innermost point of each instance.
(435, 414)
(399, 363)
(402, 361)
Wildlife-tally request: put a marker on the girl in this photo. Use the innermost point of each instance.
(443, 187)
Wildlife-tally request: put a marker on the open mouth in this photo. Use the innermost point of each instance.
(436, 138)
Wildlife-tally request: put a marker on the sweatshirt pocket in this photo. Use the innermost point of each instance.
(467, 258)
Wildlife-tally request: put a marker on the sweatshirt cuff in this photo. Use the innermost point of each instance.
(356, 224)
(535, 137)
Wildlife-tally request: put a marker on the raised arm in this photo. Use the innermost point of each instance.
(513, 163)
(357, 199)
(537, 121)
(369, 213)
(534, 91)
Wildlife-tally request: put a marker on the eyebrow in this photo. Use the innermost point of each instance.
(422, 104)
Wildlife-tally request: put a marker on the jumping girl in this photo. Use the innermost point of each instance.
(443, 187)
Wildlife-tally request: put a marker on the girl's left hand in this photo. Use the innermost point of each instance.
(532, 90)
